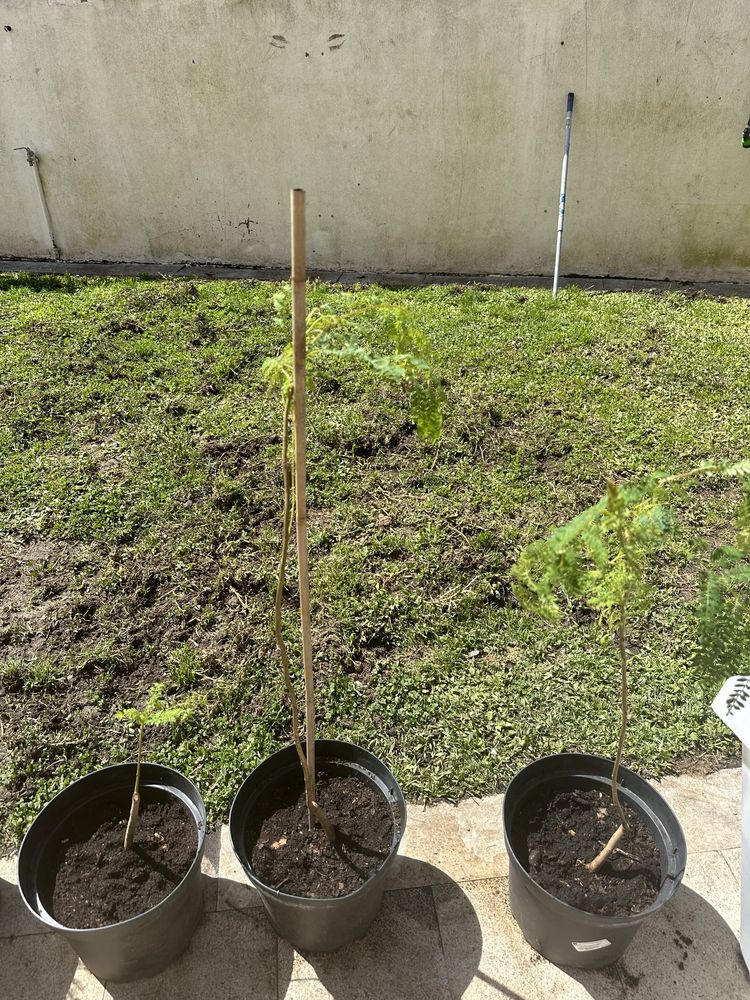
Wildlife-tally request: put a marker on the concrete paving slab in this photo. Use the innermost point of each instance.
(499, 962)
(210, 869)
(307, 989)
(708, 808)
(15, 918)
(401, 957)
(686, 952)
(734, 859)
(457, 842)
(233, 891)
(710, 876)
(43, 967)
(231, 957)
(445, 930)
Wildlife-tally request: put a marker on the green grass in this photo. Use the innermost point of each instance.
(140, 500)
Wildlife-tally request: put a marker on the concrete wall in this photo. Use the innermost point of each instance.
(428, 133)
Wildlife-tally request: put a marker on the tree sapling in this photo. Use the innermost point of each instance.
(156, 713)
(330, 335)
(602, 557)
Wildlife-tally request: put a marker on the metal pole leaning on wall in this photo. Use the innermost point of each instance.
(33, 161)
(563, 185)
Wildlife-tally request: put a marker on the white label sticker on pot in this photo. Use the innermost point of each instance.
(590, 945)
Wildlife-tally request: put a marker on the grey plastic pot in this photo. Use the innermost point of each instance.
(145, 944)
(562, 933)
(318, 924)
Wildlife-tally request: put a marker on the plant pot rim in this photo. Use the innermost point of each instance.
(607, 920)
(326, 748)
(147, 781)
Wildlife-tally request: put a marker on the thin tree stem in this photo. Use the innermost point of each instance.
(314, 809)
(285, 535)
(135, 803)
(619, 833)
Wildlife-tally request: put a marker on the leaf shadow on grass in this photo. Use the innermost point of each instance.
(41, 282)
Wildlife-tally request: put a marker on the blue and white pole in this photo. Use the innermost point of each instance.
(563, 185)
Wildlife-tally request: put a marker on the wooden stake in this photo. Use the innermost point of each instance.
(300, 479)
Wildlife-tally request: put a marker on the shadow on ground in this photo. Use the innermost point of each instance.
(686, 952)
(236, 955)
(402, 954)
(32, 966)
(39, 282)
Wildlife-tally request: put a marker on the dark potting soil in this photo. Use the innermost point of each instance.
(572, 827)
(94, 881)
(285, 854)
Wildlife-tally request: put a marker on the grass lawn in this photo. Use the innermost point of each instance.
(140, 498)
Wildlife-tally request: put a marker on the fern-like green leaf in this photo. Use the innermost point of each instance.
(156, 711)
(334, 335)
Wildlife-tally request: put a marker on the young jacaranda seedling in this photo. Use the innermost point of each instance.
(156, 713)
(338, 335)
(602, 558)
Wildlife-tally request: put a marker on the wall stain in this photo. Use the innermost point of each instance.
(334, 41)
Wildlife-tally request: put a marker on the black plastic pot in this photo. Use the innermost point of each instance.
(562, 933)
(318, 924)
(143, 945)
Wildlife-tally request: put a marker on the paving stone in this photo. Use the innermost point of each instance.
(210, 869)
(708, 808)
(485, 952)
(452, 843)
(43, 967)
(688, 950)
(231, 957)
(307, 989)
(734, 859)
(710, 876)
(400, 957)
(15, 918)
(234, 890)
(444, 899)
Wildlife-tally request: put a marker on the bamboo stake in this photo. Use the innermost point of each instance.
(300, 480)
(313, 809)
(286, 471)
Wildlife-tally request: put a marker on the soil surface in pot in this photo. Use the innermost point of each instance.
(286, 855)
(571, 827)
(94, 881)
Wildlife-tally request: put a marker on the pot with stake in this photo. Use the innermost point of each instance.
(316, 827)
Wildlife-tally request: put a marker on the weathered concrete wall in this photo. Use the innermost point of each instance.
(428, 134)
